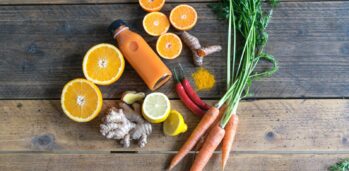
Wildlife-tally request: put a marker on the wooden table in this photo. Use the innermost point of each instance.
(296, 120)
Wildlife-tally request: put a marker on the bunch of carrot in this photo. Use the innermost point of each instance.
(250, 21)
(215, 135)
(188, 95)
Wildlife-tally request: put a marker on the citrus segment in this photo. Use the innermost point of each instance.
(81, 100)
(103, 64)
(183, 17)
(156, 107)
(169, 46)
(174, 124)
(151, 5)
(156, 23)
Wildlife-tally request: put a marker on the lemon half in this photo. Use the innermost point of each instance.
(156, 107)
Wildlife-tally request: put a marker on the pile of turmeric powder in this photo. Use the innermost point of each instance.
(203, 79)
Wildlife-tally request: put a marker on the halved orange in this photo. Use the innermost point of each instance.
(151, 5)
(183, 17)
(103, 64)
(81, 100)
(169, 46)
(156, 23)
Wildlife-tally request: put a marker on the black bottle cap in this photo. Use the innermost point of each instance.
(115, 25)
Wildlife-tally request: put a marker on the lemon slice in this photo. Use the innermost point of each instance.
(156, 107)
(174, 124)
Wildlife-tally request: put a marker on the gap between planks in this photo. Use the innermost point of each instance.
(174, 152)
(102, 2)
(246, 99)
(246, 162)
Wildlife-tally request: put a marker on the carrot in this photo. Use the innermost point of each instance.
(202, 139)
(206, 121)
(230, 132)
(221, 114)
(212, 141)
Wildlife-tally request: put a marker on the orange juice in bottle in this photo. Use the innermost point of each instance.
(140, 55)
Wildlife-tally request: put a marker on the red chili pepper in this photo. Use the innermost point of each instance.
(193, 95)
(187, 101)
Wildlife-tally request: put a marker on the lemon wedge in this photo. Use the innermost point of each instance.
(174, 124)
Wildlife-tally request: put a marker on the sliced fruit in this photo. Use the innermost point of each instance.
(81, 100)
(156, 107)
(174, 124)
(169, 46)
(183, 17)
(151, 5)
(103, 64)
(156, 23)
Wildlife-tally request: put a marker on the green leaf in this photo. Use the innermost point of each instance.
(250, 21)
(274, 3)
(342, 165)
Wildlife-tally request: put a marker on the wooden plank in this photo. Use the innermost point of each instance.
(52, 53)
(272, 125)
(157, 162)
(21, 2)
(43, 46)
(310, 41)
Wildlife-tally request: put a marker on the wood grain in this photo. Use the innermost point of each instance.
(22, 2)
(157, 162)
(43, 46)
(59, 36)
(266, 125)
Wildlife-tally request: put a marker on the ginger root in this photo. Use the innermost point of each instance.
(143, 128)
(126, 124)
(130, 97)
(198, 51)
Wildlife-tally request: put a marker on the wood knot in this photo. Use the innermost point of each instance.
(301, 32)
(345, 49)
(344, 140)
(32, 48)
(66, 27)
(43, 142)
(270, 136)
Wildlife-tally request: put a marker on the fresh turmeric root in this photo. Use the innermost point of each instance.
(198, 51)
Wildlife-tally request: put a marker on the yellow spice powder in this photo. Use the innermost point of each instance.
(203, 79)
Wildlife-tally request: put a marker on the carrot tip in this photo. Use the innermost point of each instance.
(223, 166)
(170, 167)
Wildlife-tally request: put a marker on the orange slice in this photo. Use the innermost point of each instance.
(169, 46)
(103, 64)
(183, 17)
(81, 100)
(156, 23)
(151, 5)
